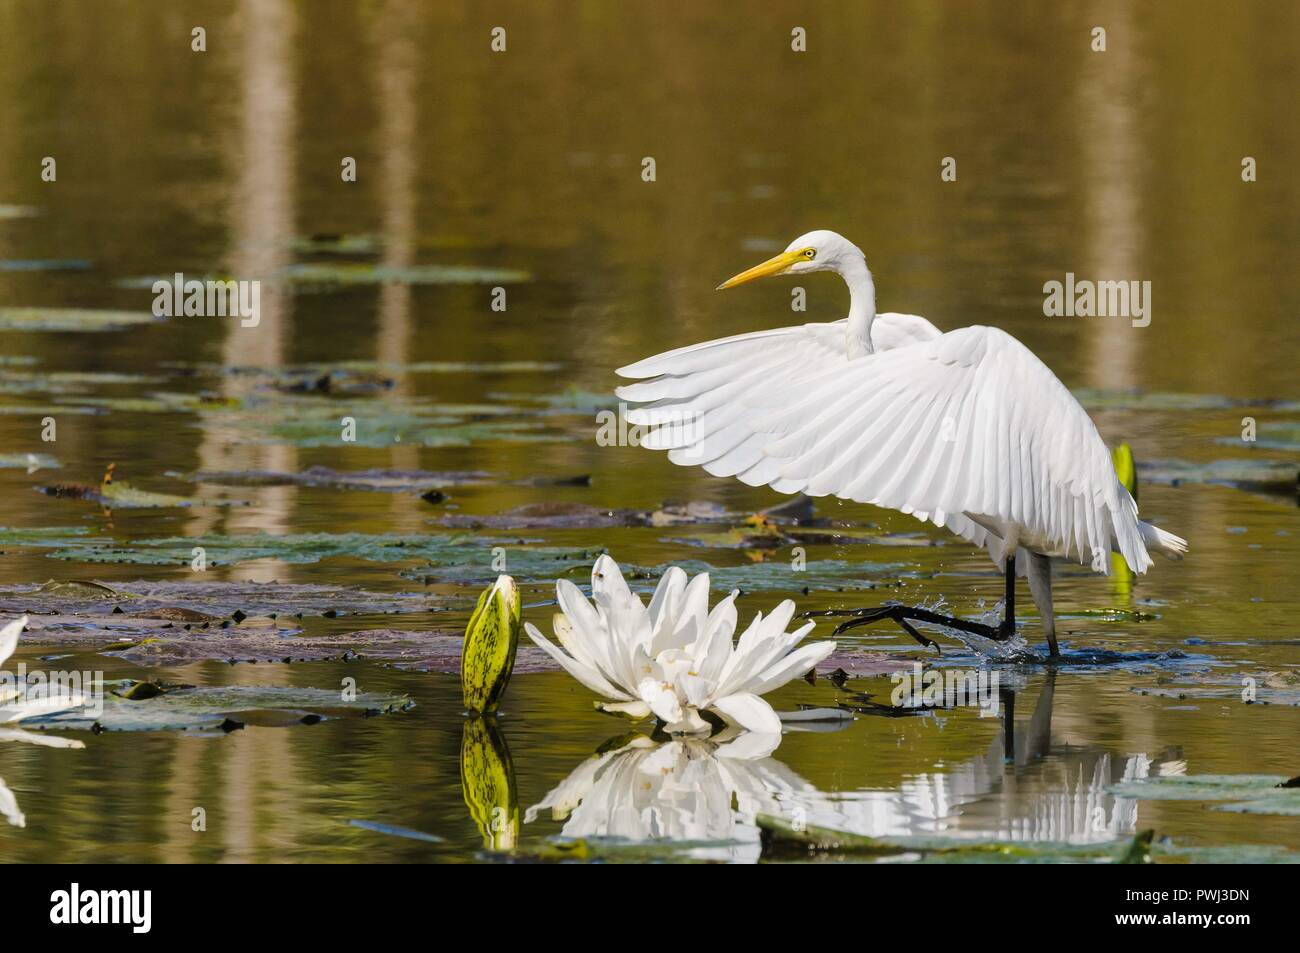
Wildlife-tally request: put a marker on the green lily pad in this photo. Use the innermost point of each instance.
(1202, 787)
(71, 319)
(311, 276)
(89, 604)
(290, 548)
(214, 707)
(1224, 853)
(31, 462)
(783, 839)
(122, 495)
(384, 481)
(44, 264)
(1272, 435)
(1095, 399)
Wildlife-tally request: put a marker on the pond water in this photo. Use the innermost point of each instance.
(523, 170)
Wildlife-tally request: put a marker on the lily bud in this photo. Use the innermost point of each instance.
(488, 654)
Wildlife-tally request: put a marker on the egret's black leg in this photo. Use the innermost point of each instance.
(904, 614)
(1009, 606)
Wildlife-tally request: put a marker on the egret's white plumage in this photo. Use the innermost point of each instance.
(967, 429)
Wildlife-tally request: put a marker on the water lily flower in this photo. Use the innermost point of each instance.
(675, 658)
(18, 702)
(14, 708)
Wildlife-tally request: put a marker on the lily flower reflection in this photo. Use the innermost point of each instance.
(685, 789)
(675, 658)
(706, 794)
(18, 702)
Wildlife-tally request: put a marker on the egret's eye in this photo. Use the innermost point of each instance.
(810, 253)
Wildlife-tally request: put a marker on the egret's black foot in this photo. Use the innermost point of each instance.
(905, 615)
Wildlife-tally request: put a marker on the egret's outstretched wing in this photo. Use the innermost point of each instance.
(701, 402)
(968, 430)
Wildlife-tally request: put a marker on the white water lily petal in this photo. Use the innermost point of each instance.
(750, 746)
(9, 637)
(588, 632)
(42, 738)
(661, 699)
(9, 806)
(714, 649)
(583, 673)
(624, 613)
(36, 707)
(633, 709)
(691, 617)
(690, 724)
(749, 712)
(695, 689)
(790, 667)
(664, 602)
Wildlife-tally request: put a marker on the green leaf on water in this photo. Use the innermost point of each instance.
(30, 462)
(212, 707)
(1201, 787)
(781, 838)
(309, 276)
(71, 319)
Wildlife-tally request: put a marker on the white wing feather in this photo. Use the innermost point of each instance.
(968, 430)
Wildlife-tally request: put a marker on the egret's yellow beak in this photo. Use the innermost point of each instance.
(773, 266)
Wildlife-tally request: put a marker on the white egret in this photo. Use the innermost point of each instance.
(968, 430)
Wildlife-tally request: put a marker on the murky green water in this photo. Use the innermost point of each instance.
(1122, 165)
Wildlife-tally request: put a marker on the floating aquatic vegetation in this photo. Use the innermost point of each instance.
(314, 371)
(1281, 687)
(44, 264)
(31, 462)
(782, 838)
(23, 381)
(1223, 853)
(335, 244)
(1272, 435)
(189, 707)
(384, 481)
(113, 494)
(676, 658)
(1253, 474)
(550, 515)
(316, 276)
(305, 420)
(289, 548)
(1095, 399)
(71, 319)
(1249, 793)
(571, 401)
(95, 604)
(158, 402)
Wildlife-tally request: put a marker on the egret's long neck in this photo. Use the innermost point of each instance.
(862, 305)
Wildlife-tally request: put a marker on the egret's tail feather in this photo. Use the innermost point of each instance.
(1157, 540)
